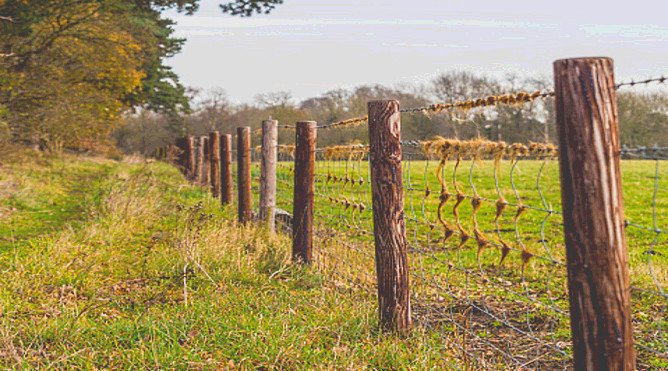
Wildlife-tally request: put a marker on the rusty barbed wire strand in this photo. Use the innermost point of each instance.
(492, 100)
(348, 122)
(468, 104)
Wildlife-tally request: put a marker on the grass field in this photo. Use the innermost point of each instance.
(123, 265)
(518, 310)
(113, 265)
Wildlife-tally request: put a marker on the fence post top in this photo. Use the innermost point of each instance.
(243, 129)
(306, 124)
(382, 101)
(270, 121)
(582, 59)
(215, 132)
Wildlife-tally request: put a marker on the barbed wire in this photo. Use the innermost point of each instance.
(348, 122)
(492, 100)
(487, 257)
(650, 80)
(469, 104)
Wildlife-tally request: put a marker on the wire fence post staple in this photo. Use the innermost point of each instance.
(593, 213)
(304, 191)
(389, 226)
(214, 150)
(244, 173)
(226, 169)
(268, 173)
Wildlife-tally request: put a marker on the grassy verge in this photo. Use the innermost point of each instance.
(122, 265)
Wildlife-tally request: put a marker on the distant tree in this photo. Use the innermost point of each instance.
(246, 8)
(274, 99)
(643, 119)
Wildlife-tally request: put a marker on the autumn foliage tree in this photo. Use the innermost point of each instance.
(70, 68)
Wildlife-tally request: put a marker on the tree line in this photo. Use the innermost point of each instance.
(643, 116)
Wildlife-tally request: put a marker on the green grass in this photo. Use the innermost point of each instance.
(465, 285)
(122, 265)
(93, 255)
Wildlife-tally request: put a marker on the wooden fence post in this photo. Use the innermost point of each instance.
(593, 213)
(304, 190)
(190, 157)
(389, 226)
(244, 174)
(268, 173)
(199, 161)
(180, 154)
(172, 153)
(226, 169)
(214, 151)
(207, 161)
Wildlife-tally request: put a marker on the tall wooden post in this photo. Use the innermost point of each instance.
(199, 161)
(214, 150)
(244, 174)
(268, 173)
(593, 212)
(304, 190)
(190, 157)
(226, 169)
(207, 162)
(389, 226)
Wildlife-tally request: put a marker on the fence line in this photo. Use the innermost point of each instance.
(482, 222)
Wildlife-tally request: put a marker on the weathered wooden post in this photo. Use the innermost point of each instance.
(172, 153)
(304, 190)
(389, 226)
(180, 154)
(593, 213)
(226, 169)
(190, 157)
(244, 173)
(214, 150)
(199, 161)
(268, 173)
(207, 161)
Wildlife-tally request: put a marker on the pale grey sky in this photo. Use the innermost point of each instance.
(307, 47)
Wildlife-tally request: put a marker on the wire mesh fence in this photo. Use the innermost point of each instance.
(488, 267)
(485, 231)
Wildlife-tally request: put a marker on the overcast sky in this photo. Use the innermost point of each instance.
(307, 47)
